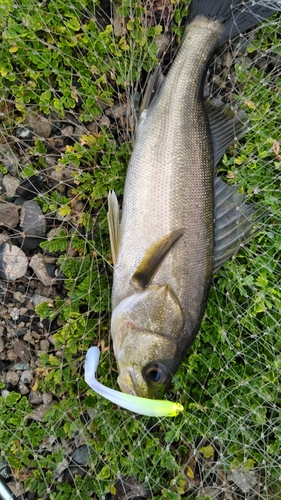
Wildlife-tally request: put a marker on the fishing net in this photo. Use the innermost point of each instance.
(72, 80)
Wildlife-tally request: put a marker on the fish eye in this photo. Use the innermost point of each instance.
(155, 374)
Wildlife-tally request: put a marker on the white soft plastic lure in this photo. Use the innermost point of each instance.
(143, 406)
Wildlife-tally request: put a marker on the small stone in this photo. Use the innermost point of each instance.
(26, 376)
(38, 299)
(39, 413)
(245, 479)
(23, 133)
(1, 344)
(30, 187)
(47, 398)
(61, 467)
(105, 121)
(11, 355)
(81, 455)
(67, 131)
(21, 366)
(23, 388)
(42, 129)
(32, 220)
(28, 338)
(44, 345)
(13, 262)
(93, 127)
(35, 397)
(15, 313)
(9, 214)
(117, 111)
(21, 350)
(20, 297)
(38, 264)
(17, 489)
(5, 393)
(4, 237)
(12, 378)
(35, 335)
(10, 184)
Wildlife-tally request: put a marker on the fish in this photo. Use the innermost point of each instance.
(180, 221)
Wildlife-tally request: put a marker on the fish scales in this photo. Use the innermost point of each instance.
(179, 221)
(169, 184)
(169, 181)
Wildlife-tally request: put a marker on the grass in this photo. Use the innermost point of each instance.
(63, 57)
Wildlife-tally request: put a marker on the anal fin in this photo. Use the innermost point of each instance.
(235, 221)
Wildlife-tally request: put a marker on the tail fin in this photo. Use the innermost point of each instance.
(236, 15)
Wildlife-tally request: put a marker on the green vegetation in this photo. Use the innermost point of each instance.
(58, 57)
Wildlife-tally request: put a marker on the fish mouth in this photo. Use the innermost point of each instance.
(128, 383)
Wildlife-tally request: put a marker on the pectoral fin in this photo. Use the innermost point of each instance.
(153, 258)
(113, 216)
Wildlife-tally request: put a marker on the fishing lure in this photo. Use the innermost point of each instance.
(143, 406)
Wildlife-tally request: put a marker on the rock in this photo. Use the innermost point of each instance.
(60, 468)
(11, 184)
(117, 111)
(245, 479)
(44, 345)
(105, 121)
(26, 376)
(19, 296)
(67, 131)
(17, 489)
(38, 264)
(2, 345)
(8, 160)
(39, 413)
(12, 378)
(5, 393)
(38, 125)
(24, 133)
(81, 455)
(4, 237)
(9, 215)
(93, 127)
(13, 262)
(42, 129)
(47, 398)
(21, 366)
(21, 350)
(63, 176)
(15, 313)
(35, 397)
(32, 221)
(23, 388)
(30, 187)
(119, 24)
(38, 299)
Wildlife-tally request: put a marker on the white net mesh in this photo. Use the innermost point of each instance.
(72, 75)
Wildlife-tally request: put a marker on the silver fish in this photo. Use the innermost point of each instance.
(180, 222)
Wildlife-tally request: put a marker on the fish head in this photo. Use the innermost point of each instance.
(146, 329)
